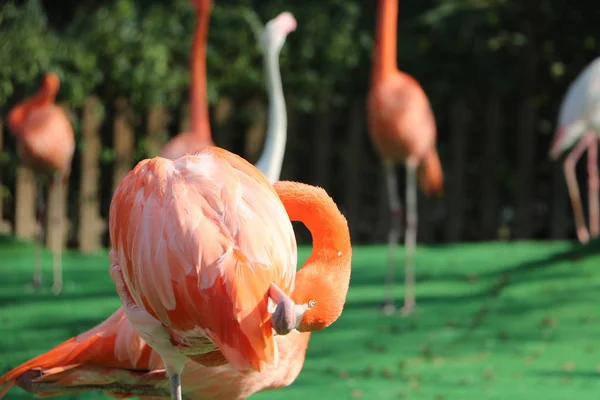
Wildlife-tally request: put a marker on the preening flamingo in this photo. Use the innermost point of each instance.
(46, 145)
(200, 246)
(402, 128)
(113, 358)
(578, 123)
(199, 135)
(271, 39)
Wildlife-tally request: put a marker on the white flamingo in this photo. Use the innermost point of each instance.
(579, 125)
(271, 39)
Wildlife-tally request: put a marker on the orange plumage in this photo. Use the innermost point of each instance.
(44, 133)
(198, 241)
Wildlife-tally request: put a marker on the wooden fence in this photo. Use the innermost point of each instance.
(496, 179)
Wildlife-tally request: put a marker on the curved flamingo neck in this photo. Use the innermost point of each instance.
(271, 158)
(386, 41)
(332, 251)
(200, 124)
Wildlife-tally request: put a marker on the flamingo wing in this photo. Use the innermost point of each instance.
(199, 240)
(113, 344)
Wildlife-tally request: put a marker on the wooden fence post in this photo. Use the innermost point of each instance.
(26, 224)
(57, 209)
(123, 141)
(184, 118)
(288, 169)
(324, 154)
(91, 226)
(526, 133)
(525, 188)
(490, 173)
(158, 118)
(5, 226)
(353, 159)
(256, 134)
(223, 121)
(456, 177)
(559, 225)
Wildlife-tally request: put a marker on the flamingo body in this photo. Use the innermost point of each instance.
(579, 110)
(401, 123)
(184, 143)
(46, 140)
(198, 241)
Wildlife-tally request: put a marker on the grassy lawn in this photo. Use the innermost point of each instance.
(495, 321)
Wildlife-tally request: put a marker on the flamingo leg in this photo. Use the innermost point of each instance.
(573, 187)
(174, 367)
(393, 234)
(57, 221)
(410, 239)
(39, 244)
(175, 378)
(593, 187)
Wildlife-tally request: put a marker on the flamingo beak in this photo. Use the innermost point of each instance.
(287, 314)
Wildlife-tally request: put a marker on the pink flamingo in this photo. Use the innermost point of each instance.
(46, 145)
(402, 128)
(113, 358)
(201, 245)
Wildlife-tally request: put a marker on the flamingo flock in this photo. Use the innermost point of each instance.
(203, 254)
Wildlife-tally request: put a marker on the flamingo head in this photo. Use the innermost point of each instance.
(51, 82)
(277, 29)
(315, 304)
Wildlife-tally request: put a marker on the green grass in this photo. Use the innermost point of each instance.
(495, 321)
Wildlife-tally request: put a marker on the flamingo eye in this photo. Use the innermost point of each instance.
(312, 303)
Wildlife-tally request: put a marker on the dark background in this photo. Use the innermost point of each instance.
(495, 72)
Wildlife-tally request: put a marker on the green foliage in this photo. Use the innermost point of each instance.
(137, 49)
(29, 48)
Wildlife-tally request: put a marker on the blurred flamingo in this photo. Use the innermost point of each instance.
(46, 145)
(578, 122)
(402, 128)
(271, 39)
(199, 135)
(112, 357)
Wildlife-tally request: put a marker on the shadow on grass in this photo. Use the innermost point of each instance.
(570, 374)
(577, 252)
(45, 298)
